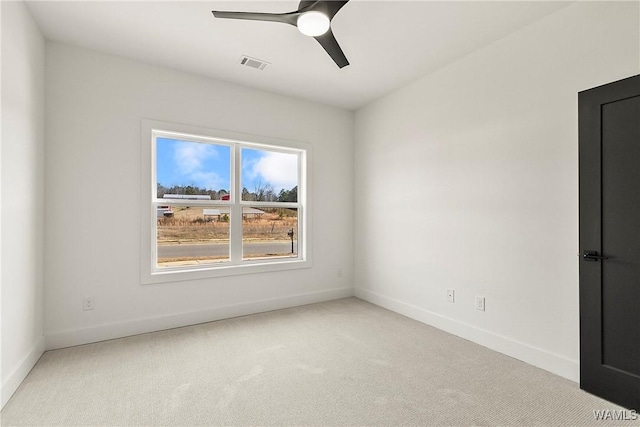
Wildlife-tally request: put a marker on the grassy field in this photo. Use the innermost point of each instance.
(189, 225)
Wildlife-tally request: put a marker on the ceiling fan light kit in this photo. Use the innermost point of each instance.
(313, 18)
(313, 23)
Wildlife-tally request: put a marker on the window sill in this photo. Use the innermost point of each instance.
(207, 272)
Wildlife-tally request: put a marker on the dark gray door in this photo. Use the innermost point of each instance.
(609, 126)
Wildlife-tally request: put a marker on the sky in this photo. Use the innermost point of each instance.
(208, 166)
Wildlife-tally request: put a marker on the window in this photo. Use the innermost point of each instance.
(221, 204)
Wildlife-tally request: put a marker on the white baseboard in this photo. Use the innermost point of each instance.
(546, 360)
(20, 372)
(71, 337)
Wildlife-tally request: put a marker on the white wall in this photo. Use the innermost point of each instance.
(22, 195)
(94, 107)
(468, 179)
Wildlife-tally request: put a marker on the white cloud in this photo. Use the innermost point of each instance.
(278, 169)
(189, 157)
(207, 180)
(190, 160)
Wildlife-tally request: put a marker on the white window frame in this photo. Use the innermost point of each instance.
(150, 273)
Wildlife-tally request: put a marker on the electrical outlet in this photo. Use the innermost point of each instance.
(451, 295)
(88, 303)
(480, 303)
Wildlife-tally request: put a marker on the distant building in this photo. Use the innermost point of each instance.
(187, 196)
(165, 211)
(224, 210)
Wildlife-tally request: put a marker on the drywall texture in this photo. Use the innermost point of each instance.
(22, 194)
(94, 107)
(468, 179)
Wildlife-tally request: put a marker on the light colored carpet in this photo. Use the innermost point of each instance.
(344, 362)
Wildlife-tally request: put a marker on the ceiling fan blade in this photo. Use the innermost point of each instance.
(330, 44)
(290, 18)
(328, 7)
(332, 7)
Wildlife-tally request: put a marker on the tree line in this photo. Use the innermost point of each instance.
(260, 193)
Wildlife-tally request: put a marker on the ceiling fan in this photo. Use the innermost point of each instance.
(313, 18)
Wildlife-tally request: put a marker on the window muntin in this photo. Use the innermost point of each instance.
(204, 202)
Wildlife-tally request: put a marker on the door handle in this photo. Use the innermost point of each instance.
(592, 256)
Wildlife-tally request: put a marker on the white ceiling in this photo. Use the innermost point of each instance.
(388, 43)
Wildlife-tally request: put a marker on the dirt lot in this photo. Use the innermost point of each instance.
(190, 225)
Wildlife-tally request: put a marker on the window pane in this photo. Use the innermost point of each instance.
(192, 235)
(269, 176)
(186, 168)
(269, 233)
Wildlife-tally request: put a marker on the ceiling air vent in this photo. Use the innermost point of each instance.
(258, 64)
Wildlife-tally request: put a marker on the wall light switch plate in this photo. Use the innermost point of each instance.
(480, 303)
